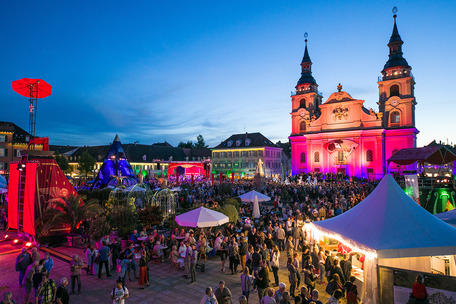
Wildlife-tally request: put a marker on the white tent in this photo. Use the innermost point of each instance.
(250, 197)
(388, 224)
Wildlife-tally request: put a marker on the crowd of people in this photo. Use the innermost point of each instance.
(249, 248)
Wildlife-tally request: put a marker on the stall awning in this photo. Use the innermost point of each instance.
(435, 155)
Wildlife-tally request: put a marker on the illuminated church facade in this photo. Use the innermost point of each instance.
(340, 134)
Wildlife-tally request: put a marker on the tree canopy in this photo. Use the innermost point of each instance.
(86, 163)
(200, 143)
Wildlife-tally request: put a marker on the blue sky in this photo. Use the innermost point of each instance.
(170, 70)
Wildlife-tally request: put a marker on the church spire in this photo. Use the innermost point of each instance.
(395, 60)
(306, 83)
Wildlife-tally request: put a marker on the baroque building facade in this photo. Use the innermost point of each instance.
(340, 134)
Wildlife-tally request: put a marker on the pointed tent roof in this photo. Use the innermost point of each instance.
(391, 223)
(448, 217)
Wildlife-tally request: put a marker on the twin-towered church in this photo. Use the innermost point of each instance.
(340, 134)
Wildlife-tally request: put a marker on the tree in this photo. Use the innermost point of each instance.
(124, 219)
(62, 161)
(231, 212)
(150, 216)
(188, 144)
(86, 163)
(200, 143)
(72, 211)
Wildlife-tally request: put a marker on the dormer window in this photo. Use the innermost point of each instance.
(248, 141)
(238, 142)
(229, 143)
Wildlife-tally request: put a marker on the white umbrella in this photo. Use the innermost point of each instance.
(256, 208)
(202, 217)
(250, 197)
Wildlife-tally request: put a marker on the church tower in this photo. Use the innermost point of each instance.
(306, 99)
(396, 87)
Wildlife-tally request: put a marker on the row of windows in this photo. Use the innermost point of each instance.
(3, 138)
(340, 156)
(250, 153)
(251, 164)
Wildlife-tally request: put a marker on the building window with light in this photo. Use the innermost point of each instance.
(260, 153)
(2, 138)
(303, 157)
(244, 153)
(394, 90)
(302, 126)
(2, 152)
(317, 157)
(236, 154)
(395, 117)
(369, 156)
(230, 154)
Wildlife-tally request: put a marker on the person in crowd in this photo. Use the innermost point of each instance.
(334, 284)
(134, 236)
(48, 262)
(62, 296)
(35, 254)
(119, 293)
(209, 297)
(243, 248)
(223, 294)
(329, 263)
(246, 283)
(28, 279)
(419, 291)
(188, 254)
(278, 295)
(129, 253)
(289, 246)
(337, 270)
(304, 295)
(90, 258)
(296, 264)
(280, 234)
(243, 300)
(335, 297)
(314, 298)
(104, 254)
(286, 298)
(143, 232)
(233, 253)
(223, 252)
(23, 260)
(262, 280)
(193, 262)
(346, 267)
(293, 273)
(47, 290)
(76, 265)
(7, 298)
(116, 248)
(37, 278)
(305, 253)
(275, 257)
(123, 262)
(351, 291)
(321, 265)
(143, 279)
(268, 298)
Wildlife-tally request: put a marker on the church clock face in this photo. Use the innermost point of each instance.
(302, 114)
(394, 102)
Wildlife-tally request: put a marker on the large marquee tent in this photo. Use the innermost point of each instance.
(388, 225)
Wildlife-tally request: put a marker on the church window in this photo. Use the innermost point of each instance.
(248, 141)
(303, 157)
(229, 143)
(302, 126)
(317, 157)
(302, 103)
(394, 90)
(395, 117)
(238, 142)
(369, 156)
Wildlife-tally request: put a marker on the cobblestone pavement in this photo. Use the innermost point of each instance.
(167, 285)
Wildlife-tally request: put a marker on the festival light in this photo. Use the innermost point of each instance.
(320, 235)
(28, 244)
(6, 236)
(15, 241)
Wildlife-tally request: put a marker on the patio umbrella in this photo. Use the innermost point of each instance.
(256, 208)
(32, 88)
(201, 217)
(250, 197)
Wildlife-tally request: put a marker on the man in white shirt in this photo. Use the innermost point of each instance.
(119, 293)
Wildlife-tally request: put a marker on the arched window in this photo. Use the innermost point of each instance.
(302, 126)
(369, 156)
(303, 157)
(317, 157)
(302, 103)
(394, 90)
(395, 117)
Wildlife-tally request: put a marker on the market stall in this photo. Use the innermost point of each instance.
(389, 229)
